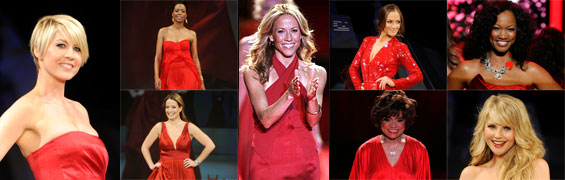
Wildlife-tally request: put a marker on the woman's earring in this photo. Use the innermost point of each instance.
(173, 19)
(186, 21)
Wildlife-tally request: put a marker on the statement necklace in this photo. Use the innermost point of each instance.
(499, 72)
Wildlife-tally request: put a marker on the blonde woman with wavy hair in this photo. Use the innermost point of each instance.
(286, 91)
(504, 144)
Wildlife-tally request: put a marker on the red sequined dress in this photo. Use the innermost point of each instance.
(365, 72)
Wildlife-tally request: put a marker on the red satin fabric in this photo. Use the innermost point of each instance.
(372, 163)
(479, 83)
(178, 71)
(172, 160)
(385, 63)
(287, 150)
(73, 155)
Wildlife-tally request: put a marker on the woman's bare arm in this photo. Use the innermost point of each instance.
(158, 57)
(149, 140)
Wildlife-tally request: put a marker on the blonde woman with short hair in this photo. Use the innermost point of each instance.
(504, 144)
(53, 132)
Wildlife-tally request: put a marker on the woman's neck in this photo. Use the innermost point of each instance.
(177, 25)
(285, 60)
(384, 38)
(175, 120)
(49, 87)
(499, 58)
(398, 140)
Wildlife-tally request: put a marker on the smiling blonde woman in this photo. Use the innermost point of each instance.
(505, 145)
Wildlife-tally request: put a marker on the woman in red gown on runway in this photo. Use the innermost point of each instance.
(175, 137)
(285, 89)
(379, 58)
(177, 66)
(53, 132)
(392, 155)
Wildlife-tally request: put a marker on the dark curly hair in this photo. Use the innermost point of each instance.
(547, 51)
(392, 103)
(478, 44)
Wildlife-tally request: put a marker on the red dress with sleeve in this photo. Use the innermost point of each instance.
(385, 63)
(178, 71)
(73, 155)
(172, 160)
(478, 82)
(372, 163)
(287, 150)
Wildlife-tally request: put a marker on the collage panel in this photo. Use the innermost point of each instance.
(283, 120)
(373, 47)
(191, 48)
(522, 127)
(368, 126)
(505, 45)
(210, 137)
(64, 97)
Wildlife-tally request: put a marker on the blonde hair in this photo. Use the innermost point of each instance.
(177, 98)
(518, 161)
(258, 7)
(261, 53)
(48, 26)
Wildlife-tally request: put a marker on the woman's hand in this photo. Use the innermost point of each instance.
(157, 84)
(384, 81)
(294, 88)
(313, 89)
(156, 165)
(189, 163)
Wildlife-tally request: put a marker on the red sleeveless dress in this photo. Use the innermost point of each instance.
(178, 71)
(73, 155)
(287, 150)
(172, 160)
(478, 82)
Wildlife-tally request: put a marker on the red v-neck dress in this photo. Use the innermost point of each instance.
(385, 63)
(73, 155)
(287, 150)
(172, 160)
(178, 71)
(371, 161)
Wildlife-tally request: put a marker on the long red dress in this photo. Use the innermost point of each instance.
(73, 155)
(178, 71)
(287, 150)
(385, 63)
(479, 83)
(172, 160)
(371, 161)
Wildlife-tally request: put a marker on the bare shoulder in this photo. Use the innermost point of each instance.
(532, 68)
(163, 30)
(248, 72)
(312, 68)
(470, 172)
(540, 165)
(247, 41)
(22, 109)
(78, 105)
(467, 68)
(191, 32)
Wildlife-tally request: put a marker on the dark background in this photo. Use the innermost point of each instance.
(96, 86)
(351, 126)
(215, 23)
(546, 114)
(425, 35)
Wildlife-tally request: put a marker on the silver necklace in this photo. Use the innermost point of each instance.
(499, 72)
(393, 151)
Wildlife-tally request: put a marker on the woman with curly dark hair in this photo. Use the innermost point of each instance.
(392, 155)
(547, 51)
(498, 47)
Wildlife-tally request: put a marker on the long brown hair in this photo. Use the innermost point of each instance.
(383, 13)
(176, 97)
(261, 53)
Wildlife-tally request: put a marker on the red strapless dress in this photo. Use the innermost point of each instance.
(73, 155)
(178, 71)
(372, 163)
(385, 63)
(287, 150)
(479, 83)
(172, 160)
